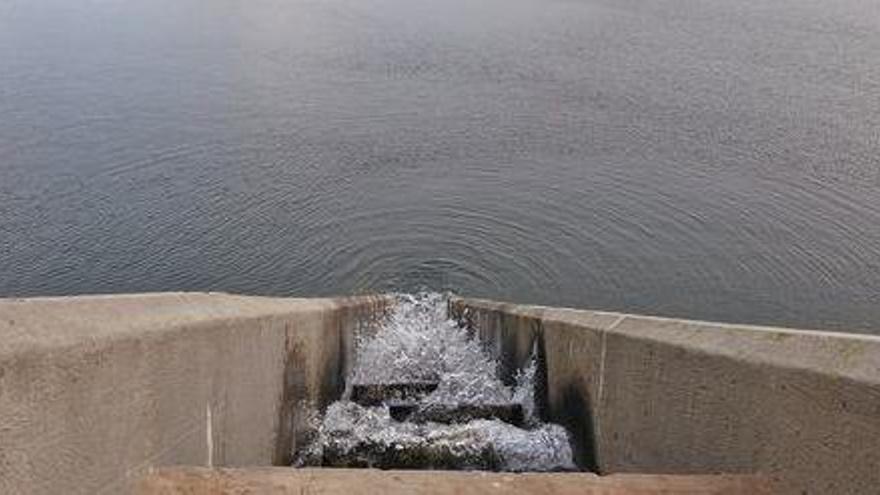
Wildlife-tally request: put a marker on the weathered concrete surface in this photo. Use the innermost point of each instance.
(659, 395)
(279, 481)
(94, 391)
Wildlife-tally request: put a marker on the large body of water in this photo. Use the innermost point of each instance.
(714, 159)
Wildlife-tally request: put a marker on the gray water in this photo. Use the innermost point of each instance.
(712, 159)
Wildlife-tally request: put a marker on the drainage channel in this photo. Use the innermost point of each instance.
(424, 394)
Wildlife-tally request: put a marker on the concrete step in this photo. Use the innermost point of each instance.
(283, 481)
(375, 394)
(456, 413)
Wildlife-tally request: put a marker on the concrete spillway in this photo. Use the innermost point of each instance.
(97, 392)
(424, 394)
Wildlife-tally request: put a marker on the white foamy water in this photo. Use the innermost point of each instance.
(419, 343)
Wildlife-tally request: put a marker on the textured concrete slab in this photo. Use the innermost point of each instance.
(280, 481)
(660, 395)
(96, 390)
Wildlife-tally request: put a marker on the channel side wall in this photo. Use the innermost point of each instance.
(97, 390)
(658, 395)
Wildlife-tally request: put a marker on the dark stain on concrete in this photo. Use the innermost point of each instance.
(575, 413)
(294, 387)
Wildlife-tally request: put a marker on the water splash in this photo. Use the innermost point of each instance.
(420, 344)
(524, 391)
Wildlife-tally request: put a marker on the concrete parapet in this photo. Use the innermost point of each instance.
(95, 391)
(195, 481)
(660, 395)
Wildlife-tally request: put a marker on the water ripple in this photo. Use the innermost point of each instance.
(716, 161)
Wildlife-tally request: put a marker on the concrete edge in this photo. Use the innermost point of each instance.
(850, 356)
(30, 325)
(194, 481)
(575, 315)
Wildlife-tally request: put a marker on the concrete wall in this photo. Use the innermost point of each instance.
(658, 395)
(94, 391)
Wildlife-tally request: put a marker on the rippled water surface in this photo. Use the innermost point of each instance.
(714, 159)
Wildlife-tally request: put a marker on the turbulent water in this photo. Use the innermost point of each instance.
(419, 344)
(715, 159)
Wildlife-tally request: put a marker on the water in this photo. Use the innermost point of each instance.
(708, 159)
(419, 344)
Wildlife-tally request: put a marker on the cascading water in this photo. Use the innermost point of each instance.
(424, 394)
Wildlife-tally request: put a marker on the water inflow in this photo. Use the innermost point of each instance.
(463, 422)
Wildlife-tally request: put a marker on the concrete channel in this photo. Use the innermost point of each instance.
(106, 394)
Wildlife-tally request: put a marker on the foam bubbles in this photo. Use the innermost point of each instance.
(420, 344)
